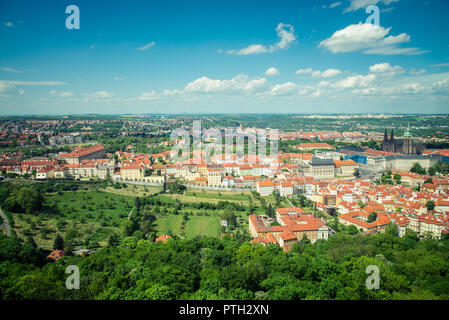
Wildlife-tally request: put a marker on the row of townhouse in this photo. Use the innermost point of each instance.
(93, 169)
(78, 155)
(423, 224)
(319, 168)
(295, 225)
(224, 175)
(267, 187)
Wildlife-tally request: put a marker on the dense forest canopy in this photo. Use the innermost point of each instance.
(210, 268)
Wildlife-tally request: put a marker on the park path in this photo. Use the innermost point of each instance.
(288, 200)
(129, 215)
(5, 223)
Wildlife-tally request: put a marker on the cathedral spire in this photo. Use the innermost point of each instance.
(392, 135)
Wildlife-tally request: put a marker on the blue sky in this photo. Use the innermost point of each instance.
(224, 57)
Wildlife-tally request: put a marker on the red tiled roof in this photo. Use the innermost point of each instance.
(163, 238)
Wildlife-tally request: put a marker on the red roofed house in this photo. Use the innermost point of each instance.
(293, 228)
(286, 188)
(132, 172)
(283, 212)
(442, 206)
(163, 238)
(345, 168)
(56, 255)
(76, 156)
(265, 188)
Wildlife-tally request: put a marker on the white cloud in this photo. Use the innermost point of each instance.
(9, 86)
(11, 70)
(6, 87)
(63, 94)
(34, 83)
(392, 50)
(100, 94)
(252, 49)
(237, 85)
(168, 92)
(335, 4)
(9, 24)
(304, 71)
(316, 94)
(416, 72)
(284, 31)
(118, 79)
(362, 4)
(402, 89)
(384, 10)
(153, 95)
(368, 38)
(440, 65)
(332, 5)
(272, 72)
(283, 89)
(386, 69)
(441, 86)
(329, 73)
(382, 80)
(357, 81)
(323, 84)
(147, 46)
(66, 94)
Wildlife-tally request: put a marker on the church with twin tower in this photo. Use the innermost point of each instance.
(406, 145)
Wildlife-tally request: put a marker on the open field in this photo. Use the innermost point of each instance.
(204, 226)
(195, 225)
(170, 224)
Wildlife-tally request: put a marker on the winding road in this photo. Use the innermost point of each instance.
(5, 224)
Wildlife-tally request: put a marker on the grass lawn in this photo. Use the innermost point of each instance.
(170, 224)
(202, 225)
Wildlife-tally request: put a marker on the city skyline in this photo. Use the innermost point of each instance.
(226, 57)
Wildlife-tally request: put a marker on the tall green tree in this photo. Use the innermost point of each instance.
(417, 168)
(372, 217)
(24, 200)
(430, 205)
(58, 243)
